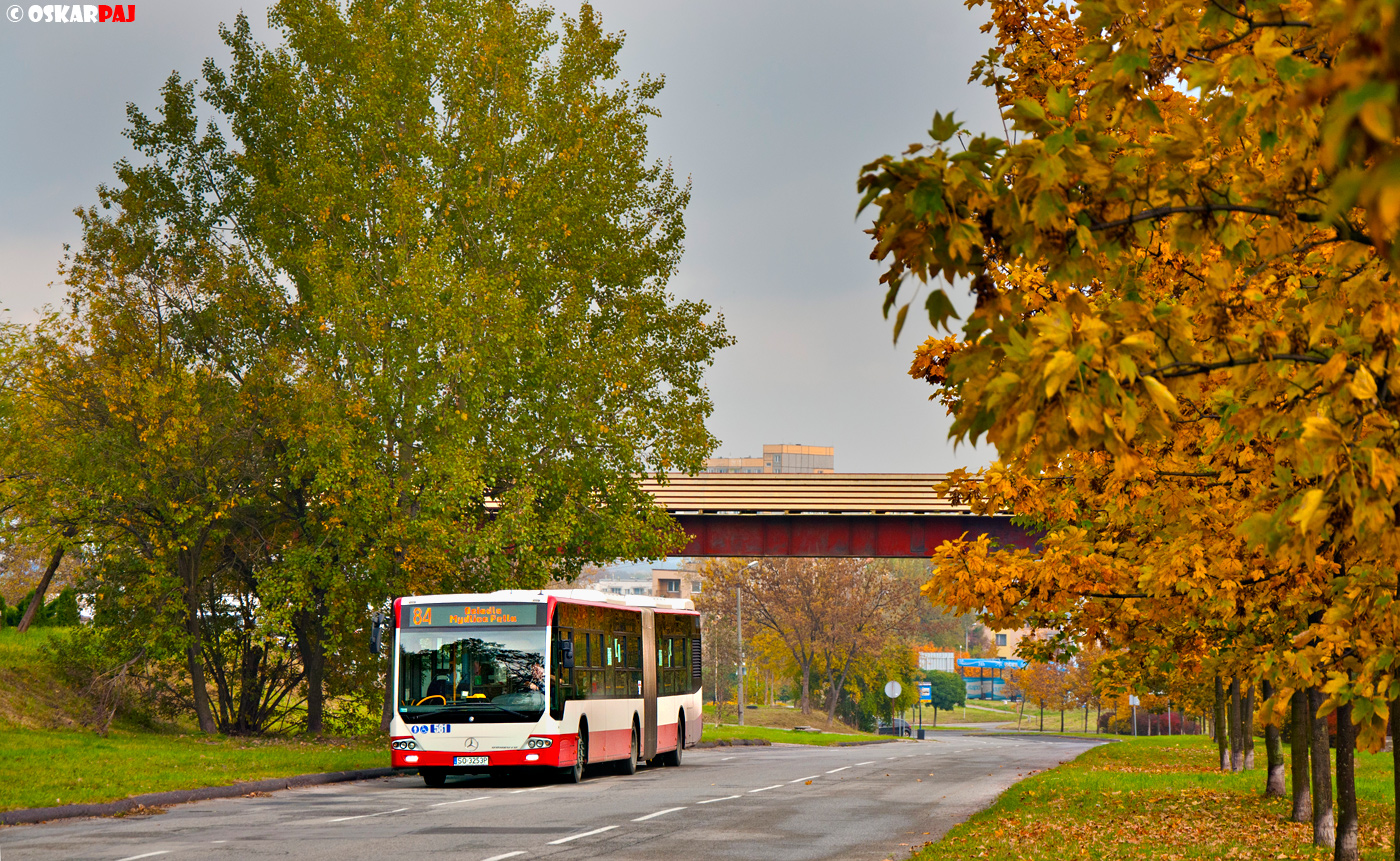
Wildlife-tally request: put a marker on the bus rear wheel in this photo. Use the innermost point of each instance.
(433, 777)
(673, 757)
(629, 765)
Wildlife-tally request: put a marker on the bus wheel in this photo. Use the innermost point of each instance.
(574, 774)
(629, 765)
(433, 777)
(673, 757)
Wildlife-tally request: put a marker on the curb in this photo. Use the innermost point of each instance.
(863, 743)
(1048, 735)
(182, 796)
(733, 742)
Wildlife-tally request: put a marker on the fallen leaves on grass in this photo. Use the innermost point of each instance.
(1162, 801)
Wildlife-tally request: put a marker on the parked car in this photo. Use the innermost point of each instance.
(899, 727)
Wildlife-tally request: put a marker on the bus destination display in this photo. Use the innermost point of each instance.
(470, 615)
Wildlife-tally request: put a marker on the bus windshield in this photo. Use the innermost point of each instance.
(490, 674)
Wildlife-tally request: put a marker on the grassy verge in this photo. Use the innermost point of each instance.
(44, 768)
(1157, 798)
(787, 736)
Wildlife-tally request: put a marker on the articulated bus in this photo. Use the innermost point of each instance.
(557, 679)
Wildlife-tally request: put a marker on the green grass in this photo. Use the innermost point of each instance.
(1158, 798)
(48, 758)
(44, 768)
(787, 736)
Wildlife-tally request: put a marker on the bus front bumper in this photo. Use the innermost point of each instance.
(560, 754)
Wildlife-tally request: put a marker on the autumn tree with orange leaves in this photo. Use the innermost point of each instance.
(1181, 254)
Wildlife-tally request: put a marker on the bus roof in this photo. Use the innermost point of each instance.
(541, 596)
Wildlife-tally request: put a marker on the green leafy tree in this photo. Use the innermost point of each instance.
(398, 287)
(948, 689)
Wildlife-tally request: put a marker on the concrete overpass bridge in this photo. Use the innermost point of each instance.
(889, 515)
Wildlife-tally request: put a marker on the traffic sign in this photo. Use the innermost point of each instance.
(892, 689)
(925, 692)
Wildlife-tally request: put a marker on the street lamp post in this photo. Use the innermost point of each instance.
(739, 617)
(739, 624)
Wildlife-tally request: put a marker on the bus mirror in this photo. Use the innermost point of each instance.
(566, 654)
(376, 634)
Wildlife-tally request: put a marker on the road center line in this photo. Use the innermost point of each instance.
(713, 800)
(871, 762)
(460, 801)
(505, 856)
(842, 768)
(361, 816)
(800, 779)
(146, 855)
(766, 788)
(657, 813)
(584, 834)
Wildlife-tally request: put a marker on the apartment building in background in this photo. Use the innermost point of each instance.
(681, 582)
(781, 458)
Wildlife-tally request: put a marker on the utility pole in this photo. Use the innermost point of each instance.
(739, 626)
(739, 620)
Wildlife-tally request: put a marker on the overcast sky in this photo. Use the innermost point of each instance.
(770, 108)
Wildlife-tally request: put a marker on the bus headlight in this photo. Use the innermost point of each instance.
(403, 744)
(537, 743)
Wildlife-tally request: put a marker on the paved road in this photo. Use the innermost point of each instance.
(785, 803)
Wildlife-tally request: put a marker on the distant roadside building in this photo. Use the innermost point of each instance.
(780, 458)
(612, 581)
(682, 582)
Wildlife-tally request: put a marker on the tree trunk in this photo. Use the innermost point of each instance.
(311, 639)
(1324, 827)
(1222, 735)
(37, 602)
(1299, 743)
(1062, 720)
(1247, 725)
(1042, 716)
(1345, 848)
(1236, 731)
(840, 686)
(1395, 769)
(1273, 749)
(806, 688)
(194, 664)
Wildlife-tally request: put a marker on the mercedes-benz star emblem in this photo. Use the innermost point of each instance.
(470, 744)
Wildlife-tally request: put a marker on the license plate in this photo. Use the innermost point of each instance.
(471, 760)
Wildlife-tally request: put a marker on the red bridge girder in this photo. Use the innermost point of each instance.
(889, 536)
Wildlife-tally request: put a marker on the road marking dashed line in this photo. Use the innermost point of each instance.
(507, 855)
(842, 768)
(461, 801)
(766, 788)
(800, 779)
(363, 816)
(713, 800)
(584, 834)
(658, 813)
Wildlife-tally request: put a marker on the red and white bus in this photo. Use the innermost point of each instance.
(555, 679)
